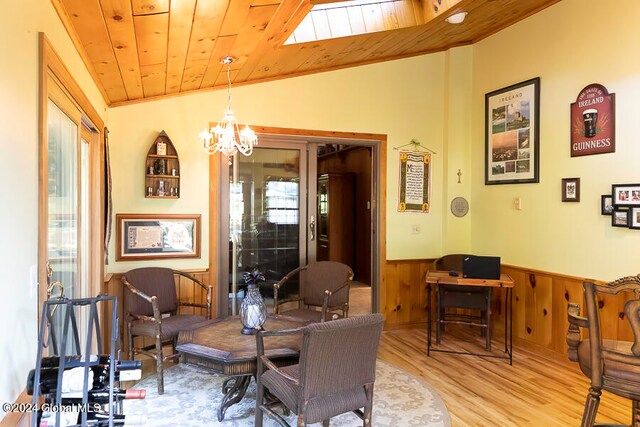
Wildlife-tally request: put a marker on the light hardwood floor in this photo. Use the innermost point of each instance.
(535, 391)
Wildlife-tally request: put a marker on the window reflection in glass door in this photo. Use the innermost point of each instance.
(264, 219)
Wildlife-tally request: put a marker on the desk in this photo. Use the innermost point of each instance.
(436, 278)
(218, 345)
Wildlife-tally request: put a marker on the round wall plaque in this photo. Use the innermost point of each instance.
(459, 206)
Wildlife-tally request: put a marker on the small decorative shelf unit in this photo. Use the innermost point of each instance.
(162, 170)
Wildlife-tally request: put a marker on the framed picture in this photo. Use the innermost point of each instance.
(606, 204)
(512, 134)
(634, 217)
(153, 236)
(570, 189)
(625, 194)
(620, 218)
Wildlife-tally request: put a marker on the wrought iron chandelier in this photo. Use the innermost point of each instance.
(226, 137)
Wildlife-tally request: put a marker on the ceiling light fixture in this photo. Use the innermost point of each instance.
(457, 18)
(226, 137)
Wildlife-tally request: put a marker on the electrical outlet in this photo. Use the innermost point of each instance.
(415, 229)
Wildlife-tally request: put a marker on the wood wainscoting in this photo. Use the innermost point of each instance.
(186, 294)
(540, 302)
(404, 304)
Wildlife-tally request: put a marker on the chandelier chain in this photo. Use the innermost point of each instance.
(226, 137)
(228, 85)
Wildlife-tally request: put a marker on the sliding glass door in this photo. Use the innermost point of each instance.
(66, 215)
(267, 217)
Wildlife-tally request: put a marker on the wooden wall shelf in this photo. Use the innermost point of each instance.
(162, 170)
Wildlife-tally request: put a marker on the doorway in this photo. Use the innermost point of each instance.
(265, 210)
(345, 216)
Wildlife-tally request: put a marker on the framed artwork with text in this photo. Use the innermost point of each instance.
(414, 181)
(155, 236)
(512, 123)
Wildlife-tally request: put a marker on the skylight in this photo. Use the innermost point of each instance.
(349, 18)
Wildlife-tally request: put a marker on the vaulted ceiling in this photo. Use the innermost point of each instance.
(145, 49)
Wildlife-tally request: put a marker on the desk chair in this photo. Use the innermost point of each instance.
(612, 365)
(474, 298)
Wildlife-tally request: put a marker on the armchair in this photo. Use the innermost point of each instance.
(151, 310)
(336, 372)
(323, 284)
(611, 365)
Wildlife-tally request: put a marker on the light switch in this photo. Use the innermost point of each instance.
(415, 229)
(517, 203)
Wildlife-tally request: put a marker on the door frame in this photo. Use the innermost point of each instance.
(378, 143)
(52, 68)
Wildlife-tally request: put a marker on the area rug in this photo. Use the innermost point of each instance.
(192, 395)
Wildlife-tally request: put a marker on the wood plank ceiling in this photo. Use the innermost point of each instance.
(139, 50)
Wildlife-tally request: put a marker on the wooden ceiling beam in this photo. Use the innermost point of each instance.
(434, 8)
(253, 30)
(283, 23)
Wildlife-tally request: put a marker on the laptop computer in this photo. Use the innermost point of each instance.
(481, 267)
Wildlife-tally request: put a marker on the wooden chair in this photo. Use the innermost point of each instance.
(336, 372)
(323, 284)
(475, 298)
(151, 307)
(612, 365)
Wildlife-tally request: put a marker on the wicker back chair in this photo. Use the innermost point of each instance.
(477, 298)
(336, 372)
(323, 284)
(612, 365)
(149, 296)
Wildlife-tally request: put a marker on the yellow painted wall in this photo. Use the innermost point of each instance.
(20, 23)
(403, 99)
(569, 45)
(456, 234)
